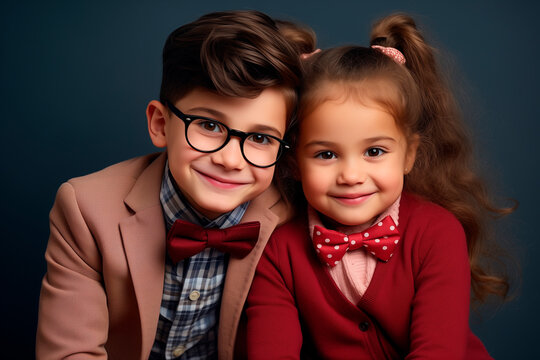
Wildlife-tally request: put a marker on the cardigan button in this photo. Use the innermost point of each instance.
(364, 326)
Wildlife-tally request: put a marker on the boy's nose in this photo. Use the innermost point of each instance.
(230, 156)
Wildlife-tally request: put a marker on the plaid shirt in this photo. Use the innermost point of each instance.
(187, 327)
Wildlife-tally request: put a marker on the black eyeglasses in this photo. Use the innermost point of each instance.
(208, 135)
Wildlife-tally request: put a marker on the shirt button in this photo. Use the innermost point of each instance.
(194, 295)
(179, 350)
(364, 326)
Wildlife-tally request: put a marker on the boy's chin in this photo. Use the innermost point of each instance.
(214, 212)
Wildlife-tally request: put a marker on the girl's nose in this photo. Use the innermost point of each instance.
(351, 173)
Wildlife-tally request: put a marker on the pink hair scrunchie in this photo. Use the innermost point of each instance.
(308, 55)
(393, 53)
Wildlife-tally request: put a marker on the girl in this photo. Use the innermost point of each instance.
(381, 263)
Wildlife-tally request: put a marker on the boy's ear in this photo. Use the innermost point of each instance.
(156, 115)
(411, 153)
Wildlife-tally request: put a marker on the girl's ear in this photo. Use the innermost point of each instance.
(410, 157)
(156, 117)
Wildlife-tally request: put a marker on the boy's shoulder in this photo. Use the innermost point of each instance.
(130, 168)
(113, 183)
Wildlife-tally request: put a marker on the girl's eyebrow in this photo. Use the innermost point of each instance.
(380, 138)
(320, 143)
(368, 140)
(262, 128)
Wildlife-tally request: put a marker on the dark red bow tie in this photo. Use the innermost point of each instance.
(380, 240)
(186, 239)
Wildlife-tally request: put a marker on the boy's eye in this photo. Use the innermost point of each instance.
(374, 152)
(210, 126)
(325, 155)
(260, 139)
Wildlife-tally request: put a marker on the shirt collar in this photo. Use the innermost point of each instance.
(175, 206)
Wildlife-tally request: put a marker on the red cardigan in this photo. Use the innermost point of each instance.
(416, 306)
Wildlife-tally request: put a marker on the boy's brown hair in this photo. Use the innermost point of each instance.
(233, 53)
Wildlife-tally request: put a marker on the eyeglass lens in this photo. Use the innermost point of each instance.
(206, 135)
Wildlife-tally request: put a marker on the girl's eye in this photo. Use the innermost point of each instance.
(326, 155)
(374, 152)
(260, 139)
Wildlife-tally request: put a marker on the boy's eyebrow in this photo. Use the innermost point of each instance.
(218, 114)
(212, 112)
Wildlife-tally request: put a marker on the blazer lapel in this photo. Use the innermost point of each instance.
(269, 211)
(143, 236)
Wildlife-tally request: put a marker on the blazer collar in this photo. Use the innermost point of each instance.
(145, 191)
(269, 209)
(143, 236)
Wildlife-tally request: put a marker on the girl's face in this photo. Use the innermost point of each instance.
(352, 159)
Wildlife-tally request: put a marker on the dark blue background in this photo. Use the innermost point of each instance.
(76, 77)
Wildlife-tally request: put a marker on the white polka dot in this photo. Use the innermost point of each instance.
(318, 251)
(365, 245)
(391, 255)
(346, 239)
(327, 240)
(329, 256)
(377, 240)
(396, 241)
(386, 237)
(372, 253)
(336, 262)
(319, 246)
(385, 247)
(392, 227)
(380, 224)
(318, 233)
(366, 234)
(336, 247)
(353, 242)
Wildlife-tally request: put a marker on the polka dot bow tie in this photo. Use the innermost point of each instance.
(186, 239)
(380, 240)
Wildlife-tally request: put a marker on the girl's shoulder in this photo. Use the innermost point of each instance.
(295, 227)
(293, 234)
(415, 209)
(428, 228)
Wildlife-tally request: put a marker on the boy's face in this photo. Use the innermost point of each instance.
(352, 159)
(216, 183)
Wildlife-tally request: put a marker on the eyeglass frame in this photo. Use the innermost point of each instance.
(188, 119)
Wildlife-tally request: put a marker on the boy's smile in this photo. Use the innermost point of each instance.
(216, 183)
(220, 182)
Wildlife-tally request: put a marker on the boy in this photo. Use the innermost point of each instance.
(122, 281)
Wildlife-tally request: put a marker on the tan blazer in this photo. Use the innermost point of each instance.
(101, 295)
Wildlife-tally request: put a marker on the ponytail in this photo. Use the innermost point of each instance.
(443, 171)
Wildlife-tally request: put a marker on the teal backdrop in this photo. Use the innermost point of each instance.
(76, 77)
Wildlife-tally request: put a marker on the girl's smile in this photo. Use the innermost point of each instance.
(352, 199)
